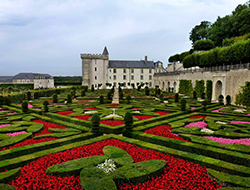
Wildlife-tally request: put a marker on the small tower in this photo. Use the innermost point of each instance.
(94, 68)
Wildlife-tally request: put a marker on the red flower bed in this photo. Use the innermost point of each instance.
(50, 101)
(164, 131)
(112, 122)
(179, 174)
(135, 108)
(46, 126)
(65, 112)
(91, 108)
(197, 116)
(83, 117)
(127, 92)
(170, 96)
(113, 105)
(142, 117)
(162, 112)
(165, 93)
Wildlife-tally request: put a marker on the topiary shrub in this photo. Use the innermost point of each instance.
(8, 100)
(228, 99)
(128, 119)
(172, 89)
(221, 99)
(96, 124)
(73, 93)
(25, 106)
(109, 95)
(83, 93)
(169, 89)
(92, 88)
(161, 97)
(69, 100)
(55, 100)
(121, 95)
(183, 104)
(176, 97)
(128, 98)
(194, 95)
(36, 95)
(45, 105)
(101, 99)
(28, 95)
(158, 91)
(146, 91)
(203, 96)
(204, 105)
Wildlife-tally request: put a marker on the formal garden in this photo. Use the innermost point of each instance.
(76, 138)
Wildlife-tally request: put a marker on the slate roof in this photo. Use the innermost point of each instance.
(6, 78)
(105, 51)
(30, 76)
(131, 64)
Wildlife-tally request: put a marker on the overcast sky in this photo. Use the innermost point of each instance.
(48, 36)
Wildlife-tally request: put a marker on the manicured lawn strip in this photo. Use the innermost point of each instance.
(201, 140)
(9, 175)
(12, 108)
(232, 180)
(28, 149)
(56, 135)
(69, 119)
(15, 139)
(61, 122)
(217, 153)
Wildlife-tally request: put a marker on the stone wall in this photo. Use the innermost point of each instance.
(224, 82)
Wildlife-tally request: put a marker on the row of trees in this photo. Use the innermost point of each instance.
(237, 53)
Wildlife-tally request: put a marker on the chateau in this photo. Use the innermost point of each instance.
(98, 69)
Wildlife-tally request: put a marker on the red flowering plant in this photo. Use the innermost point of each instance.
(65, 112)
(83, 117)
(112, 122)
(178, 173)
(197, 116)
(127, 92)
(136, 108)
(46, 126)
(113, 105)
(162, 113)
(91, 108)
(142, 117)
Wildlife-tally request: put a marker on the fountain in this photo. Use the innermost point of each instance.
(113, 115)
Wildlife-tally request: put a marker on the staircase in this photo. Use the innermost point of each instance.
(115, 97)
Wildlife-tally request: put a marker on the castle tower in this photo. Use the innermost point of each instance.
(94, 69)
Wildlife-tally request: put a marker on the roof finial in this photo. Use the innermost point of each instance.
(105, 51)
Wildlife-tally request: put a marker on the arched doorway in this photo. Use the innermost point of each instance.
(218, 89)
(174, 86)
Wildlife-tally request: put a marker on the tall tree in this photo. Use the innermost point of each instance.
(200, 31)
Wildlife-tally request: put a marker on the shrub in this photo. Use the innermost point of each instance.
(243, 98)
(28, 95)
(101, 99)
(176, 97)
(96, 124)
(221, 99)
(55, 100)
(92, 88)
(133, 85)
(36, 95)
(128, 98)
(228, 99)
(203, 45)
(146, 91)
(185, 87)
(69, 100)
(203, 96)
(161, 97)
(194, 95)
(25, 106)
(2, 100)
(109, 95)
(204, 105)
(83, 93)
(209, 87)
(158, 91)
(73, 93)
(8, 100)
(128, 121)
(121, 95)
(183, 104)
(45, 105)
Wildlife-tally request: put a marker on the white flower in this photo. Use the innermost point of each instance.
(240, 110)
(136, 111)
(221, 122)
(108, 166)
(90, 112)
(207, 131)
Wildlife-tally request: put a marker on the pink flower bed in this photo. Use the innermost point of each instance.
(11, 113)
(242, 122)
(4, 125)
(245, 141)
(201, 124)
(29, 105)
(15, 133)
(220, 109)
(4, 110)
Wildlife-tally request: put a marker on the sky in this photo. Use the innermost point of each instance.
(48, 36)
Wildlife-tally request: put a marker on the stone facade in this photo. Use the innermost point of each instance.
(226, 81)
(98, 69)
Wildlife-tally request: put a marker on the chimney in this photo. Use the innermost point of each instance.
(146, 59)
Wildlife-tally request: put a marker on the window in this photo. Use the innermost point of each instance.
(114, 77)
(28, 81)
(150, 77)
(124, 77)
(95, 85)
(132, 77)
(23, 81)
(124, 70)
(95, 68)
(109, 77)
(95, 77)
(141, 70)
(132, 70)
(150, 84)
(150, 71)
(114, 70)
(114, 84)
(141, 77)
